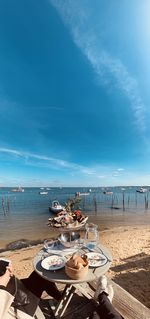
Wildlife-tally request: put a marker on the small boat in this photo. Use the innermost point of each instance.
(78, 194)
(108, 193)
(56, 207)
(19, 189)
(141, 190)
(43, 193)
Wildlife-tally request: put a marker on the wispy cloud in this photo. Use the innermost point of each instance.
(43, 160)
(76, 15)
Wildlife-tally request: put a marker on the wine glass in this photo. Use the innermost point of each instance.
(49, 245)
(80, 242)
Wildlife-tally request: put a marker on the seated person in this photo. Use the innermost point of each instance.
(20, 298)
(104, 295)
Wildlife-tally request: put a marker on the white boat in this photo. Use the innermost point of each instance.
(56, 207)
(43, 193)
(78, 194)
(108, 193)
(141, 190)
(19, 189)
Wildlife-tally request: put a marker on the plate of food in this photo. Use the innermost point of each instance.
(96, 259)
(53, 262)
(68, 221)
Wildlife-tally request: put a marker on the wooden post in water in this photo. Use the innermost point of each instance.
(136, 199)
(112, 202)
(3, 206)
(116, 198)
(128, 200)
(95, 204)
(123, 204)
(146, 201)
(8, 204)
(83, 205)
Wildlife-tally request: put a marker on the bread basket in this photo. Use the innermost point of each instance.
(77, 274)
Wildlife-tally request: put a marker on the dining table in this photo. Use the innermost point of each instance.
(95, 271)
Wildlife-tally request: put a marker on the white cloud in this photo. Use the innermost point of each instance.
(44, 160)
(76, 15)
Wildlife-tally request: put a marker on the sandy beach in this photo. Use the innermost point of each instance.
(130, 248)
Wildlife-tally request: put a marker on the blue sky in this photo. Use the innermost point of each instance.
(74, 92)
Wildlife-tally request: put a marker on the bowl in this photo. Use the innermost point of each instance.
(69, 239)
(77, 274)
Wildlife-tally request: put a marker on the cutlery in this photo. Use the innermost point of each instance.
(96, 259)
(98, 250)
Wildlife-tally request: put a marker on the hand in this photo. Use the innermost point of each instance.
(4, 280)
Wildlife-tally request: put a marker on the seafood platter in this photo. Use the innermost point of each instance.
(68, 221)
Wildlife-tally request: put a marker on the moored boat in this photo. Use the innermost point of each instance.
(56, 207)
(78, 194)
(43, 193)
(19, 189)
(141, 190)
(108, 193)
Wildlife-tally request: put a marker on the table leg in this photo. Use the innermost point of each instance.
(66, 298)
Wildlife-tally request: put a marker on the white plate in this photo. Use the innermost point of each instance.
(96, 259)
(53, 262)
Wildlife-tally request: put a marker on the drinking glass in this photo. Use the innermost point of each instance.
(80, 241)
(49, 245)
(91, 236)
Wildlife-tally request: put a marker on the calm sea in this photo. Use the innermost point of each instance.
(24, 215)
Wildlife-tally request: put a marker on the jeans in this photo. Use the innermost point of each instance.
(37, 285)
(105, 309)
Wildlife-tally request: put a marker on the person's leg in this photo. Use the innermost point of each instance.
(105, 309)
(37, 285)
(94, 315)
(104, 295)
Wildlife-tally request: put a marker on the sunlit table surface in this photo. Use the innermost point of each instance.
(59, 276)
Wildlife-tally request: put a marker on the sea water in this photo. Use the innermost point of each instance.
(25, 215)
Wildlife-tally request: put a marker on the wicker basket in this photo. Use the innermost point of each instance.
(77, 274)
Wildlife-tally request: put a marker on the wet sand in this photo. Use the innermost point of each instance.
(38, 230)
